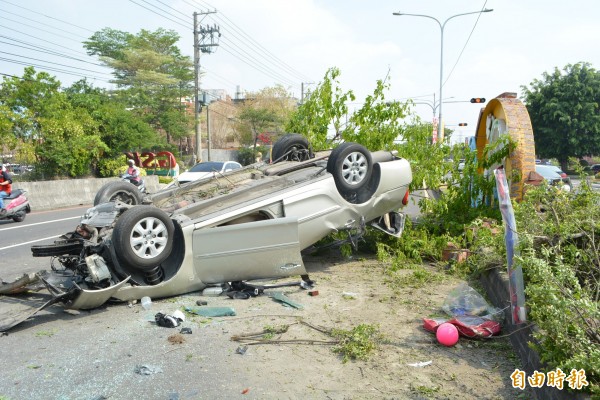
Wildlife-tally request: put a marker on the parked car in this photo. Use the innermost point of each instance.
(206, 169)
(244, 224)
(565, 178)
(552, 177)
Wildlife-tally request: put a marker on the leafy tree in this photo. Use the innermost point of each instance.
(152, 74)
(109, 43)
(324, 108)
(65, 140)
(324, 118)
(120, 129)
(223, 124)
(564, 108)
(264, 114)
(257, 120)
(378, 125)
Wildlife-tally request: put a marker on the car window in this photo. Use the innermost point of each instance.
(208, 166)
(547, 172)
(556, 169)
(230, 166)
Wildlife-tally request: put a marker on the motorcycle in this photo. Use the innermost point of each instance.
(141, 185)
(16, 206)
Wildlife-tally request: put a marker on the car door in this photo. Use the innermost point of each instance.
(252, 250)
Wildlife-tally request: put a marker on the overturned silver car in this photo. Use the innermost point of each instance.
(246, 224)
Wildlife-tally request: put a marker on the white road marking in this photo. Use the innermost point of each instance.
(31, 241)
(38, 223)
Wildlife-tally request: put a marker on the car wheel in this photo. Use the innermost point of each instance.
(351, 166)
(143, 237)
(122, 191)
(59, 248)
(291, 147)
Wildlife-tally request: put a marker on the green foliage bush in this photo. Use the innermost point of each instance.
(559, 252)
(247, 155)
(560, 256)
(357, 343)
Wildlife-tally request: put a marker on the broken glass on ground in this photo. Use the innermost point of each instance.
(211, 311)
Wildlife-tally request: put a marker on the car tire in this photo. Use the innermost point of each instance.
(351, 165)
(291, 147)
(143, 237)
(123, 191)
(59, 248)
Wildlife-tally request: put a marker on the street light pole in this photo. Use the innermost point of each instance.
(442, 26)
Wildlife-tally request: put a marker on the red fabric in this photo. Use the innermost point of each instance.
(485, 328)
(134, 172)
(5, 188)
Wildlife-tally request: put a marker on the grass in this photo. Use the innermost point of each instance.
(45, 333)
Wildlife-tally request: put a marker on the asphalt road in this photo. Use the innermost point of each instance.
(43, 227)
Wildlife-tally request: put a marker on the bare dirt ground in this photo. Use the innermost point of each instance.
(95, 354)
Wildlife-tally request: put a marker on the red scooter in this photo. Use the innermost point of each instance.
(16, 206)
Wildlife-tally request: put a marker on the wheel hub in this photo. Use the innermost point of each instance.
(148, 238)
(355, 167)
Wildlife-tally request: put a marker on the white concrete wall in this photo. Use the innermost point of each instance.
(47, 195)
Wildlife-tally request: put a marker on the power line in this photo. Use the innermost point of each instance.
(51, 69)
(44, 50)
(174, 9)
(40, 39)
(37, 29)
(47, 16)
(466, 43)
(237, 46)
(261, 49)
(221, 18)
(264, 68)
(258, 45)
(157, 13)
(50, 62)
(185, 21)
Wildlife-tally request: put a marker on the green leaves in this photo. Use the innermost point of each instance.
(151, 72)
(564, 108)
(321, 118)
(357, 343)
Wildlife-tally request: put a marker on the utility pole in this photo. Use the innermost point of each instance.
(201, 45)
(302, 91)
(208, 131)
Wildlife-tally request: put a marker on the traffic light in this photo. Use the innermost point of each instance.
(462, 124)
(478, 100)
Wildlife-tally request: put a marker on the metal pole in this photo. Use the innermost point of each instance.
(197, 90)
(208, 131)
(440, 121)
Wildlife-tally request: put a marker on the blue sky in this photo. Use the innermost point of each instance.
(265, 42)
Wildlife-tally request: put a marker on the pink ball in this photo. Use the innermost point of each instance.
(447, 334)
